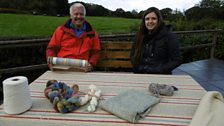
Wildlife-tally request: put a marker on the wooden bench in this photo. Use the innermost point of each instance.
(115, 51)
(115, 56)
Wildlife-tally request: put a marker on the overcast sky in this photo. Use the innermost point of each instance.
(139, 5)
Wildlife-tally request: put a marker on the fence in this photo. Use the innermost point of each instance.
(105, 39)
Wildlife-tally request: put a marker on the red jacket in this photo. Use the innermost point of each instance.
(64, 43)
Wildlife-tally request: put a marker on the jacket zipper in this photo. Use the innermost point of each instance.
(80, 47)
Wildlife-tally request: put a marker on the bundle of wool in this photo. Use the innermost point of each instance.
(161, 89)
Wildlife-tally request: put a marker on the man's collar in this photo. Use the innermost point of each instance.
(82, 29)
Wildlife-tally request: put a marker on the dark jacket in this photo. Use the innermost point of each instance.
(161, 53)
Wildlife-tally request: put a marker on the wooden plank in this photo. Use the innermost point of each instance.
(115, 55)
(116, 45)
(23, 43)
(114, 64)
(23, 68)
(197, 46)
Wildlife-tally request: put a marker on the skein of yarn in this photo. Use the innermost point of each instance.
(16, 95)
(95, 94)
(84, 100)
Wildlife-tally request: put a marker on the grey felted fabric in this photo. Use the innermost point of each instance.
(161, 89)
(130, 105)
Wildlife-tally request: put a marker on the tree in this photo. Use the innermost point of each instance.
(4, 4)
(211, 3)
(96, 10)
(119, 12)
(134, 13)
(206, 9)
(192, 13)
(166, 13)
(50, 7)
(61, 7)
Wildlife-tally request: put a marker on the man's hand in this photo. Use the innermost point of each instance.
(49, 63)
(89, 68)
(50, 66)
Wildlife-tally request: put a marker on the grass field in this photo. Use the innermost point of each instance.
(14, 25)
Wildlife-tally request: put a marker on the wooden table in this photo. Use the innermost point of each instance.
(176, 110)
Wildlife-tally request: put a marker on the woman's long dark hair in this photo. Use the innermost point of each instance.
(144, 31)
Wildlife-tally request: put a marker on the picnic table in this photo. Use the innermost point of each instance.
(175, 110)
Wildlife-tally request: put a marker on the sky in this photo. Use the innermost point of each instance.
(139, 5)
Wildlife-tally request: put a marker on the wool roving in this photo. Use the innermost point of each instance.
(95, 96)
(161, 89)
(85, 99)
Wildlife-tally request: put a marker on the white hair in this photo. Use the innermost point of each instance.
(77, 5)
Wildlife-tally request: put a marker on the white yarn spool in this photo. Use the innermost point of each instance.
(16, 95)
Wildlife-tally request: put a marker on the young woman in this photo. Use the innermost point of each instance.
(155, 49)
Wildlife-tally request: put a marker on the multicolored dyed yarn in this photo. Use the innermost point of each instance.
(62, 96)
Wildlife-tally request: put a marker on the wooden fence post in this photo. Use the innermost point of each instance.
(214, 39)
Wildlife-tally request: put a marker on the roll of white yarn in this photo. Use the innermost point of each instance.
(16, 95)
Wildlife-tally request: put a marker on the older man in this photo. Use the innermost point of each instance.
(75, 39)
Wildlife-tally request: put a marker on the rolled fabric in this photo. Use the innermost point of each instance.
(67, 62)
(210, 110)
(16, 95)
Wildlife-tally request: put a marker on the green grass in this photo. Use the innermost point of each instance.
(21, 25)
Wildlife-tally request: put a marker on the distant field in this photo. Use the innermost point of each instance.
(14, 25)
